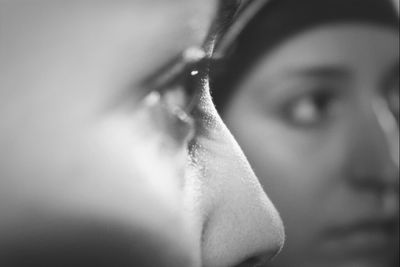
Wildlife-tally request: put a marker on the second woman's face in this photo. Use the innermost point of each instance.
(318, 120)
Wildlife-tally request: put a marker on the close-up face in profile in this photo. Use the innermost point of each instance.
(317, 118)
(96, 170)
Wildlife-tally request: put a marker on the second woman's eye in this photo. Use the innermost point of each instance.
(311, 109)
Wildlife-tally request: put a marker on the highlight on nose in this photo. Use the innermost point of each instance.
(243, 235)
(242, 224)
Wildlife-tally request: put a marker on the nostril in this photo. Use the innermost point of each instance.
(253, 262)
(262, 259)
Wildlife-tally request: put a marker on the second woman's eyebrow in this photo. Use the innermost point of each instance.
(321, 71)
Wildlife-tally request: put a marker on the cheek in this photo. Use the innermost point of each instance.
(103, 174)
(99, 169)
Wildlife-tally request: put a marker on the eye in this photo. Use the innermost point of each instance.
(178, 80)
(177, 98)
(176, 88)
(184, 98)
(311, 109)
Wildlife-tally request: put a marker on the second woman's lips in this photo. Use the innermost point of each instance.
(360, 237)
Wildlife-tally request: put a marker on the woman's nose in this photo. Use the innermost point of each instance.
(242, 227)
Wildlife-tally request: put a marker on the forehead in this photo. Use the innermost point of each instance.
(125, 38)
(190, 19)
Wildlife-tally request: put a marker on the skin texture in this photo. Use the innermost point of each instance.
(90, 179)
(314, 121)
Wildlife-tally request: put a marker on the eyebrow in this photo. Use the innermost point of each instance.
(233, 18)
(169, 73)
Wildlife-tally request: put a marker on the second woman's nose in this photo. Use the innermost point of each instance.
(375, 150)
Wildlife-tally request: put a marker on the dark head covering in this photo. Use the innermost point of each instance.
(277, 21)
